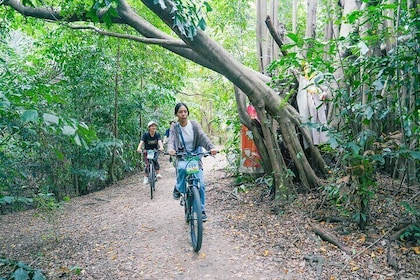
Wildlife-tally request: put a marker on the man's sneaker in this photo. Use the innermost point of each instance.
(204, 216)
(145, 180)
(158, 176)
(176, 194)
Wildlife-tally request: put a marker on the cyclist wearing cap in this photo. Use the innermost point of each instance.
(149, 141)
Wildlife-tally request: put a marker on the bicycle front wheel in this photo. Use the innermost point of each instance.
(196, 220)
(152, 177)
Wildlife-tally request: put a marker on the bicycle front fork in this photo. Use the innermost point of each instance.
(184, 196)
(182, 200)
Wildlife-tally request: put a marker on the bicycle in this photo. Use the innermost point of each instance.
(190, 199)
(150, 155)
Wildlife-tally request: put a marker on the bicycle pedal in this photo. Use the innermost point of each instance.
(181, 202)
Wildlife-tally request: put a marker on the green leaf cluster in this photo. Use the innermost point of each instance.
(189, 15)
(58, 107)
(375, 102)
(20, 271)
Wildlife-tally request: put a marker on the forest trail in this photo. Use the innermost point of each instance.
(120, 233)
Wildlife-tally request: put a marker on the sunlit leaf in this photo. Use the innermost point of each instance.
(293, 37)
(38, 276)
(369, 113)
(20, 274)
(364, 49)
(50, 118)
(59, 154)
(29, 116)
(68, 130)
(77, 140)
(415, 155)
(378, 85)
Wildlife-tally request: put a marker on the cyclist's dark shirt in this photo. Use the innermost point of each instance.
(150, 142)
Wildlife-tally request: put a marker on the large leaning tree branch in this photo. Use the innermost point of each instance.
(126, 16)
(149, 41)
(48, 13)
(273, 32)
(258, 92)
(248, 80)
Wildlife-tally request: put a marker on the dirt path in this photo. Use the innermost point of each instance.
(120, 233)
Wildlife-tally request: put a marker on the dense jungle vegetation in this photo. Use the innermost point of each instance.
(74, 99)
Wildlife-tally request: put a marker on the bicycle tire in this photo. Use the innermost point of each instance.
(196, 220)
(152, 177)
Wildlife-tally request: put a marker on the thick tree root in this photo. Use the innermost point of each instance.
(326, 236)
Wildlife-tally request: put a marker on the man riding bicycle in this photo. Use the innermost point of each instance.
(149, 141)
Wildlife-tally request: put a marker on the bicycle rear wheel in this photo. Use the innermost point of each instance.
(152, 177)
(196, 220)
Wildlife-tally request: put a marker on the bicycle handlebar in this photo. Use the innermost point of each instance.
(145, 150)
(192, 154)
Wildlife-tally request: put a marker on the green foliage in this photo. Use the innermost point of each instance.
(83, 70)
(17, 270)
(233, 26)
(188, 15)
(377, 118)
(209, 97)
(285, 16)
(357, 166)
(265, 180)
(365, 141)
(412, 233)
(244, 182)
(233, 156)
(57, 113)
(46, 206)
(229, 15)
(27, 121)
(14, 202)
(109, 6)
(58, 97)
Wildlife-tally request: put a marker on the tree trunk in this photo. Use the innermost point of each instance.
(310, 23)
(262, 39)
(114, 149)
